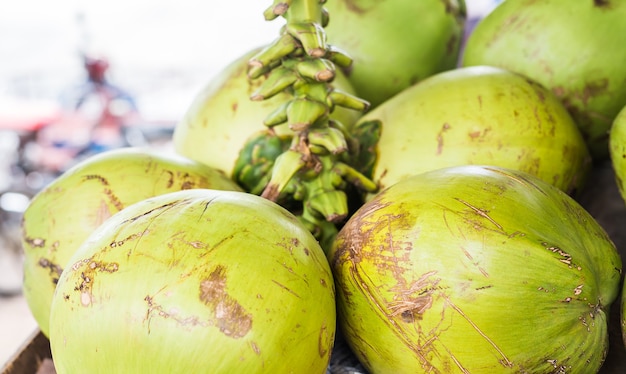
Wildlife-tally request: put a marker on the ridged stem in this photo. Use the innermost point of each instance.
(323, 157)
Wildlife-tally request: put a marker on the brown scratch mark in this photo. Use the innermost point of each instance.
(197, 244)
(156, 210)
(132, 237)
(484, 287)
(475, 263)
(517, 178)
(505, 360)
(480, 212)
(206, 207)
(467, 254)
(444, 128)
(255, 348)
(156, 310)
(456, 361)
(483, 271)
(286, 289)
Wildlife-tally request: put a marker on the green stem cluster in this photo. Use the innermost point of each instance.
(318, 165)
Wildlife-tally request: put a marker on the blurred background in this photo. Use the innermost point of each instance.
(138, 62)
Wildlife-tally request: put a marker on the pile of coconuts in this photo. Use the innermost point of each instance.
(473, 255)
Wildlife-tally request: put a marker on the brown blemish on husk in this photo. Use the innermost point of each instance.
(188, 182)
(325, 340)
(577, 104)
(121, 242)
(54, 270)
(113, 199)
(87, 277)
(445, 127)
(411, 301)
(563, 256)
(170, 179)
(558, 368)
(355, 6)
(35, 242)
(452, 44)
(230, 317)
(593, 89)
(412, 298)
(357, 235)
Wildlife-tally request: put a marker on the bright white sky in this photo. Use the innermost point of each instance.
(180, 43)
(146, 32)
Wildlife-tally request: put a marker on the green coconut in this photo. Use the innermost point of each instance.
(61, 216)
(617, 151)
(395, 43)
(477, 115)
(222, 117)
(574, 48)
(475, 269)
(196, 281)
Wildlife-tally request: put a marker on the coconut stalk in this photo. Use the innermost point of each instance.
(319, 165)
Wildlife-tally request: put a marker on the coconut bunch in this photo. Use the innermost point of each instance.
(426, 210)
(317, 166)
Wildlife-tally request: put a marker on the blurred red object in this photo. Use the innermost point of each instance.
(24, 115)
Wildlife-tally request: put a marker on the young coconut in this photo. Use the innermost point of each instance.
(574, 48)
(617, 150)
(475, 269)
(396, 43)
(475, 115)
(310, 164)
(61, 216)
(196, 281)
(222, 118)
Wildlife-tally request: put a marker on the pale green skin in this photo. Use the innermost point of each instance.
(61, 216)
(574, 48)
(475, 269)
(617, 150)
(197, 281)
(395, 43)
(222, 117)
(617, 153)
(478, 115)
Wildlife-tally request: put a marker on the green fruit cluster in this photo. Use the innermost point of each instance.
(439, 231)
(573, 48)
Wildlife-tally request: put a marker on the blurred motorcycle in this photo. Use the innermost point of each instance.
(89, 118)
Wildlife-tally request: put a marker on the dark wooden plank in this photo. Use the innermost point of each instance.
(32, 358)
